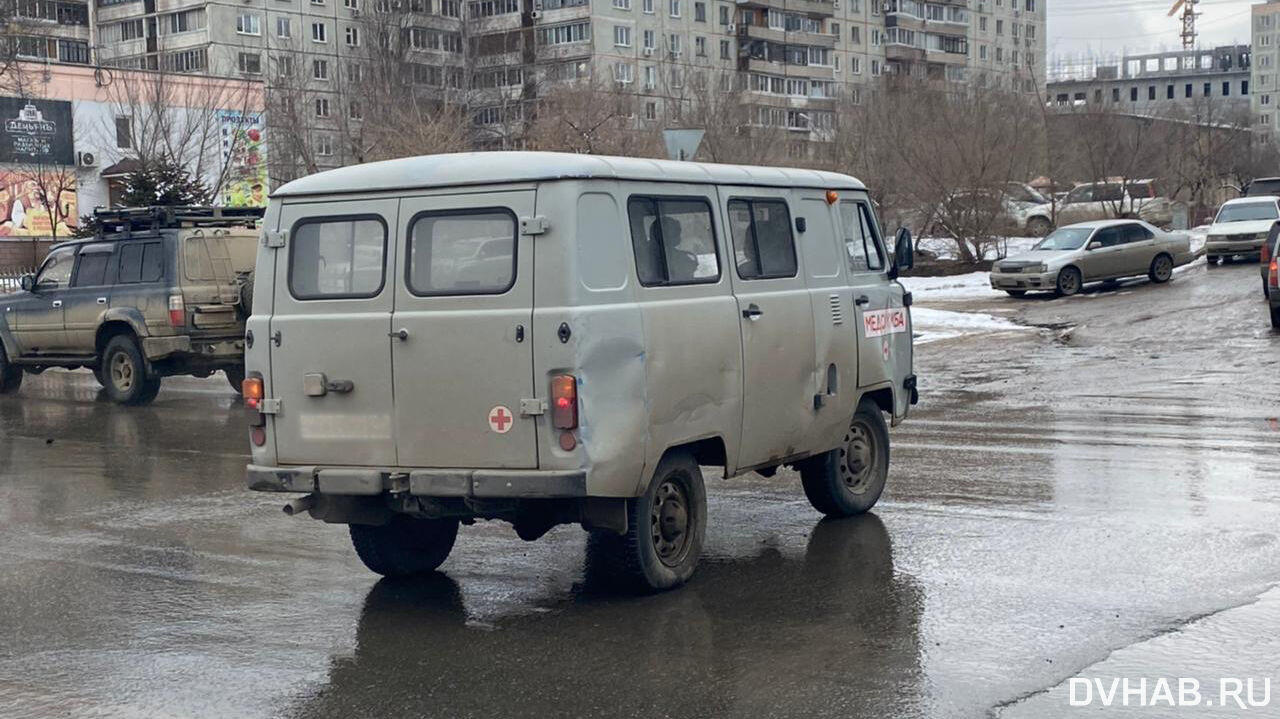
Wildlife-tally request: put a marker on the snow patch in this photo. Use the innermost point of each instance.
(974, 284)
(931, 325)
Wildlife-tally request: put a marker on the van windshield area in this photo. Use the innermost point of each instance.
(1067, 238)
(1247, 212)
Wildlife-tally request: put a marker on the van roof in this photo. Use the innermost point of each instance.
(487, 168)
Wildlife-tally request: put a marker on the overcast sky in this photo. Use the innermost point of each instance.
(1108, 27)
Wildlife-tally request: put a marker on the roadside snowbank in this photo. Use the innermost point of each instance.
(974, 284)
(931, 325)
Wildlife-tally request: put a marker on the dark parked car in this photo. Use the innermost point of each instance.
(157, 292)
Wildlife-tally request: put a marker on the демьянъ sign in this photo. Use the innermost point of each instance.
(36, 131)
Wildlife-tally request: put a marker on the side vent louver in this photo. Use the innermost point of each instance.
(837, 316)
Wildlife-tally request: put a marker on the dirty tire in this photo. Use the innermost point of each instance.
(1017, 293)
(10, 375)
(1069, 282)
(404, 546)
(1211, 260)
(848, 480)
(1039, 227)
(1275, 317)
(235, 378)
(246, 296)
(1161, 270)
(665, 530)
(125, 372)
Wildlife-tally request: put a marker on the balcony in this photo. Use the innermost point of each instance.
(813, 72)
(760, 32)
(903, 53)
(810, 7)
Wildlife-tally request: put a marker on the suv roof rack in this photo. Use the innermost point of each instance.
(128, 220)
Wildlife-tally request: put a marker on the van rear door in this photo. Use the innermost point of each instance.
(462, 356)
(329, 343)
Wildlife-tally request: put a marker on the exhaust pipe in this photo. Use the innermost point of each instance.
(299, 505)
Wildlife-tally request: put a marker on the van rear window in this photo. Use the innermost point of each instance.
(471, 252)
(674, 241)
(338, 258)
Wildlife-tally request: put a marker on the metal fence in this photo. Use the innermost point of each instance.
(9, 277)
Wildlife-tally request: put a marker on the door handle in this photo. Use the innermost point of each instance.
(401, 334)
(57, 303)
(102, 300)
(862, 301)
(341, 386)
(753, 313)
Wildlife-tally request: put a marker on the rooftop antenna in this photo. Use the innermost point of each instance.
(1189, 15)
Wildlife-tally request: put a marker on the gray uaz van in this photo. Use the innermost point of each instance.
(546, 339)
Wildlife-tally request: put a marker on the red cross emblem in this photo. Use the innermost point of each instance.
(500, 419)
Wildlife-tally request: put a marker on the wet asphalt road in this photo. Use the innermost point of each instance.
(1107, 481)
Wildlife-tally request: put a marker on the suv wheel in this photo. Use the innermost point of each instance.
(848, 480)
(125, 372)
(405, 545)
(235, 378)
(10, 375)
(1039, 227)
(665, 530)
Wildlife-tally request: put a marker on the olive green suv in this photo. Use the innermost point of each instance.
(155, 292)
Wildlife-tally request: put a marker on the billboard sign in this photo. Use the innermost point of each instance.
(36, 132)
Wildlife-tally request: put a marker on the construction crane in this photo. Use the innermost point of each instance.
(1189, 15)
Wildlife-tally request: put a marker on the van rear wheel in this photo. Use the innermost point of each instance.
(848, 480)
(405, 545)
(666, 527)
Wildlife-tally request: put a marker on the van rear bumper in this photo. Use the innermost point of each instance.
(484, 483)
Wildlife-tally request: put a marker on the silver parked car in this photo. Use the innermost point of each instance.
(1091, 252)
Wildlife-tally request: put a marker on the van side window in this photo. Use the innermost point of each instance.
(674, 241)
(861, 243)
(338, 258)
(462, 253)
(763, 245)
(140, 262)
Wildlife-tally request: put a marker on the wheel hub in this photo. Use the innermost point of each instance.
(122, 372)
(857, 458)
(670, 522)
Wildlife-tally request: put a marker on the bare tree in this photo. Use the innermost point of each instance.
(591, 116)
(173, 121)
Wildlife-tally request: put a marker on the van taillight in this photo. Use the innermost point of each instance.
(251, 389)
(1274, 279)
(564, 401)
(177, 311)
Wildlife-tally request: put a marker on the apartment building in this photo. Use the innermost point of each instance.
(51, 30)
(792, 62)
(1212, 85)
(1265, 101)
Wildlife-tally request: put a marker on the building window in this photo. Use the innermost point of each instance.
(622, 4)
(319, 32)
(124, 133)
(322, 107)
(324, 145)
(284, 66)
(674, 7)
(564, 34)
(699, 12)
(1115, 94)
(320, 69)
(648, 40)
(249, 63)
(624, 73)
(354, 111)
(724, 50)
(283, 30)
(647, 6)
(673, 44)
(622, 36)
(1151, 92)
(353, 37)
(1265, 100)
(355, 72)
(1133, 94)
(1208, 89)
(1226, 89)
(351, 4)
(1244, 87)
(1168, 92)
(700, 46)
(724, 14)
(651, 110)
(248, 24)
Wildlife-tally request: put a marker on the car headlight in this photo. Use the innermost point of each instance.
(1215, 238)
(1262, 236)
(1037, 269)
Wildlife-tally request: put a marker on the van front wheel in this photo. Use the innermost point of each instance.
(405, 545)
(848, 480)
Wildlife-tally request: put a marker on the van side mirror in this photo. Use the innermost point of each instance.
(904, 253)
(27, 282)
